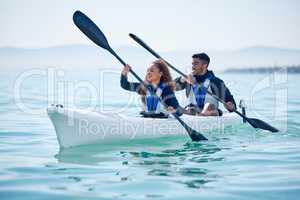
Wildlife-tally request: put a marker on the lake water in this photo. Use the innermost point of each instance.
(241, 164)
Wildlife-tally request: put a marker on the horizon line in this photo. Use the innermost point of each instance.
(133, 46)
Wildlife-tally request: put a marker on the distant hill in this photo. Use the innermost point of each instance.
(247, 57)
(71, 56)
(63, 56)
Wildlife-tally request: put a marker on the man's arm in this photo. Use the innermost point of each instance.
(219, 89)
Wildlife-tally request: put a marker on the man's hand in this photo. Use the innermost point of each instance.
(229, 106)
(189, 79)
(126, 69)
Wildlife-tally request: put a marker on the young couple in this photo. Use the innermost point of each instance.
(158, 96)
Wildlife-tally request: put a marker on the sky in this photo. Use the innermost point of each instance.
(167, 25)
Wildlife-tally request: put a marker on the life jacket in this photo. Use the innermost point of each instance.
(198, 94)
(152, 99)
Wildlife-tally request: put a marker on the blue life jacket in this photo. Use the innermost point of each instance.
(200, 90)
(152, 98)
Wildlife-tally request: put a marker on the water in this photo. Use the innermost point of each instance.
(241, 164)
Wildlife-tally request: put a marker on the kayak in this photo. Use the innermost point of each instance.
(79, 127)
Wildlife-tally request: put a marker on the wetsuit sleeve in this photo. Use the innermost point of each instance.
(169, 99)
(130, 86)
(179, 85)
(219, 88)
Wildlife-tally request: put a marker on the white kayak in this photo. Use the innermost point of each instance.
(78, 127)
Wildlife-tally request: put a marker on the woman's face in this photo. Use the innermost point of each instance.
(153, 74)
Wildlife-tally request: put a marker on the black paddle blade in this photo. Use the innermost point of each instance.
(257, 123)
(194, 135)
(90, 29)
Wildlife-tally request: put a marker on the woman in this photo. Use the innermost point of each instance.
(157, 90)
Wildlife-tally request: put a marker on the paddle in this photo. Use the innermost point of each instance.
(256, 123)
(90, 29)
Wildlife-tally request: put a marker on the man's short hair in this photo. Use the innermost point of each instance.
(202, 56)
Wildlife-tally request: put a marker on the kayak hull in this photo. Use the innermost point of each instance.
(78, 127)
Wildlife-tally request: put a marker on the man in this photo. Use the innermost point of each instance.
(198, 83)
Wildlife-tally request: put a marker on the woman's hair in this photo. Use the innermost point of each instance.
(166, 77)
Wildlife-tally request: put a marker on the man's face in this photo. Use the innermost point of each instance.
(199, 67)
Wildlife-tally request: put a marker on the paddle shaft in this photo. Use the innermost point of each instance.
(142, 43)
(224, 103)
(123, 63)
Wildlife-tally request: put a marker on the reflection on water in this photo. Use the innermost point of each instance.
(181, 164)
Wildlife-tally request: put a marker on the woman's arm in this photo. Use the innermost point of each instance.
(170, 101)
(130, 86)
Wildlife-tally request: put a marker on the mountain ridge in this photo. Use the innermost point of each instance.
(78, 55)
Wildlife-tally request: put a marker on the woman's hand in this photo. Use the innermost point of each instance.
(126, 69)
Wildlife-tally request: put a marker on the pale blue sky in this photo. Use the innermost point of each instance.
(168, 25)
